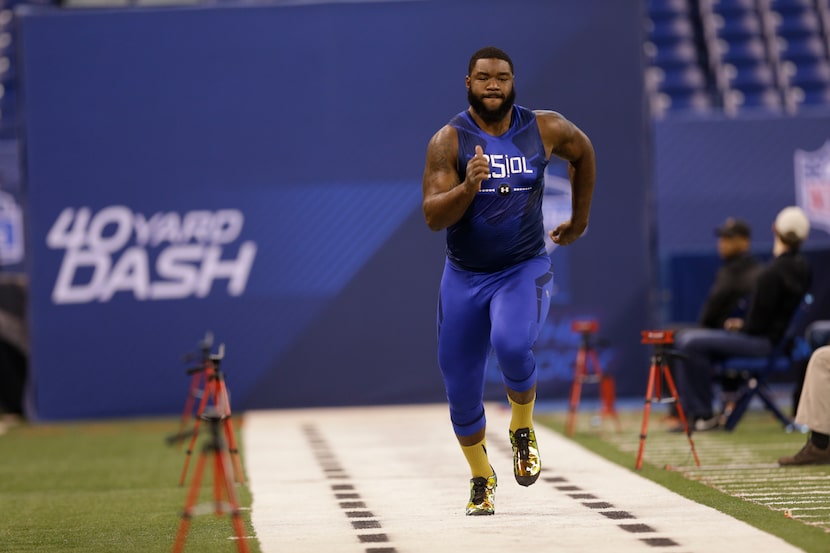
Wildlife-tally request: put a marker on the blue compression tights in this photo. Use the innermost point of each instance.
(477, 311)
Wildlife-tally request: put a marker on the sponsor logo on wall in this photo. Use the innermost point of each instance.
(11, 230)
(812, 185)
(164, 256)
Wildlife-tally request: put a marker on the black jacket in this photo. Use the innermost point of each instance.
(730, 293)
(779, 289)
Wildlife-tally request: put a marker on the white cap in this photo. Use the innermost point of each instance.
(792, 225)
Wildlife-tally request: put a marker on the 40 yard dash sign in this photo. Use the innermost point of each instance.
(164, 256)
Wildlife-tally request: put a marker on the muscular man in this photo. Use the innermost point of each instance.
(483, 183)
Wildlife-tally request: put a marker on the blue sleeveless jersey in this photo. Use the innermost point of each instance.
(503, 226)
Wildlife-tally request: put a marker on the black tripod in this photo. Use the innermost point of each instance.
(223, 485)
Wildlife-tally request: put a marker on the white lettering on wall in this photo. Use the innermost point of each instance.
(112, 251)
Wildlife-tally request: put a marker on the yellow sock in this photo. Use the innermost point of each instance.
(521, 414)
(476, 455)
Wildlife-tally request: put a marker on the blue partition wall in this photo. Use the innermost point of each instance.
(256, 172)
(709, 169)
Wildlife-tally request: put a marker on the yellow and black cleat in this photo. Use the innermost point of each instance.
(482, 496)
(526, 462)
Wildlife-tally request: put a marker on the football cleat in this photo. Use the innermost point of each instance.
(526, 462)
(482, 496)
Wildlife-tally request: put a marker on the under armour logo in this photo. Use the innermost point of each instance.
(504, 189)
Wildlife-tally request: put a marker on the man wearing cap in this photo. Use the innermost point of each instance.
(779, 289)
(734, 280)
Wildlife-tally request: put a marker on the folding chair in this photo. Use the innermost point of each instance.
(754, 371)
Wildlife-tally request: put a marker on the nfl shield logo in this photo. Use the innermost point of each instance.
(812, 185)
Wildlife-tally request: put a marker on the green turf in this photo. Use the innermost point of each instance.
(106, 486)
(114, 485)
(738, 475)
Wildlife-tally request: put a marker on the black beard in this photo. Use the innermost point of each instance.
(491, 115)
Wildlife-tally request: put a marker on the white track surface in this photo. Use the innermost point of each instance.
(393, 480)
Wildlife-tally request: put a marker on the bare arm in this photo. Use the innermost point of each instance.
(445, 198)
(563, 139)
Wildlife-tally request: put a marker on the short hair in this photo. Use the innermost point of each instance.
(489, 52)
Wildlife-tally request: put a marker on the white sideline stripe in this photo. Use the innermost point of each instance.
(407, 468)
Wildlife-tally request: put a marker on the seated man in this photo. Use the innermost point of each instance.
(735, 277)
(779, 289)
(817, 334)
(729, 293)
(814, 412)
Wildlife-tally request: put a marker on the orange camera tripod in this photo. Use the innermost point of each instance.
(223, 486)
(197, 381)
(659, 371)
(588, 370)
(215, 390)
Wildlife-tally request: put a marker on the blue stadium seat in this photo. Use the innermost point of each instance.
(8, 112)
(682, 80)
(732, 7)
(817, 96)
(741, 27)
(790, 6)
(6, 20)
(8, 73)
(667, 9)
(669, 55)
(747, 78)
(693, 101)
(670, 30)
(7, 44)
(750, 51)
(808, 49)
(796, 24)
(765, 99)
(806, 76)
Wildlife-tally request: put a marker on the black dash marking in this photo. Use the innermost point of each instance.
(331, 467)
(373, 538)
(568, 488)
(598, 505)
(616, 515)
(582, 495)
(360, 514)
(637, 528)
(365, 524)
(659, 542)
(555, 479)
